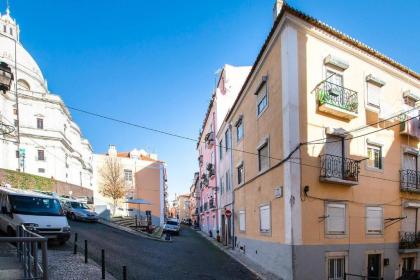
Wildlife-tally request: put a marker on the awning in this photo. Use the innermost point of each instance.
(137, 201)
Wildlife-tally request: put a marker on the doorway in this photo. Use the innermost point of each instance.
(374, 267)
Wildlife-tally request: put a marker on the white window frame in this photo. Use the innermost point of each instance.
(266, 206)
(262, 93)
(378, 148)
(371, 231)
(335, 255)
(327, 218)
(242, 225)
(239, 123)
(372, 90)
(243, 173)
(264, 142)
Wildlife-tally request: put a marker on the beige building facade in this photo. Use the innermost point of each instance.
(325, 156)
(145, 179)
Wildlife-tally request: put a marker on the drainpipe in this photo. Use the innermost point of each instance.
(231, 186)
(215, 173)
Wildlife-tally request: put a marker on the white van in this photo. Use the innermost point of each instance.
(39, 212)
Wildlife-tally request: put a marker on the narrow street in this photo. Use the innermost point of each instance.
(189, 256)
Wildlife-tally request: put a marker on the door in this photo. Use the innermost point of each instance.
(410, 176)
(410, 223)
(374, 267)
(223, 230)
(334, 162)
(229, 230)
(408, 264)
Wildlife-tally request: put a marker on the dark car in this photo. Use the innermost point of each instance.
(410, 275)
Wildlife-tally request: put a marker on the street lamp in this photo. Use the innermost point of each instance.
(6, 77)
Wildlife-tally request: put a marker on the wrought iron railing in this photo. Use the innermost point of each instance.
(34, 265)
(211, 203)
(410, 179)
(338, 96)
(409, 240)
(340, 168)
(210, 169)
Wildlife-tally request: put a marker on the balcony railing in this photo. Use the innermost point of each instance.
(211, 203)
(210, 169)
(410, 180)
(341, 170)
(337, 100)
(409, 240)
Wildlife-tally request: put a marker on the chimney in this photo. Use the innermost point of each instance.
(112, 151)
(278, 5)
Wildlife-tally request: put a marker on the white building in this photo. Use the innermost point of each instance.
(50, 142)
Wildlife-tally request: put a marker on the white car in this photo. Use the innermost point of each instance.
(172, 226)
(40, 213)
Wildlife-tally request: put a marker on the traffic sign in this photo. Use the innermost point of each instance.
(228, 213)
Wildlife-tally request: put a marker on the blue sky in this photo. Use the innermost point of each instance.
(153, 62)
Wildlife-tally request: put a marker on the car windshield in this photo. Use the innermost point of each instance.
(79, 205)
(28, 205)
(172, 223)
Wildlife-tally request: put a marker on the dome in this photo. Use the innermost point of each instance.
(27, 67)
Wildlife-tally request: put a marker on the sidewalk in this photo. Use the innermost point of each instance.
(10, 268)
(255, 268)
(66, 265)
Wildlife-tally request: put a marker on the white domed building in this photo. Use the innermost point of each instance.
(45, 141)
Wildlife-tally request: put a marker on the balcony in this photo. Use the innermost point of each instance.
(335, 169)
(200, 160)
(210, 169)
(337, 100)
(205, 206)
(209, 139)
(409, 240)
(211, 203)
(410, 180)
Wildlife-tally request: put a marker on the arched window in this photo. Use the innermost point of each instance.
(22, 84)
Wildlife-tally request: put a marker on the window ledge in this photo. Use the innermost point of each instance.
(374, 169)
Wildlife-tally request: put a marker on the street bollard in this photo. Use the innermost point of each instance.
(103, 263)
(124, 272)
(86, 252)
(75, 243)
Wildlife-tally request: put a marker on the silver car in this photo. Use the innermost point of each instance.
(76, 210)
(172, 226)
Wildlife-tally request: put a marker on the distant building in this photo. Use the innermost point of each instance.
(44, 138)
(183, 207)
(195, 199)
(230, 82)
(145, 178)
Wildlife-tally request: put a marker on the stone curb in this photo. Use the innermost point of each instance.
(132, 231)
(230, 253)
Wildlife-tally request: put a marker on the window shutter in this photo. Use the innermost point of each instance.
(374, 219)
(373, 94)
(265, 218)
(336, 218)
(242, 220)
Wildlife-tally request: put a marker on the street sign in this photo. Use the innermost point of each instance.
(228, 213)
(22, 151)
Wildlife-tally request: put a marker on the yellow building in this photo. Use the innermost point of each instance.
(328, 183)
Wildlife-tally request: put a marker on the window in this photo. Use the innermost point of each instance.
(335, 78)
(262, 104)
(265, 220)
(239, 130)
(14, 111)
(410, 101)
(16, 123)
(263, 157)
(41, 155)
(227, 181)
(240, 173)
(39, 123)
(41, 170)
(336, 218)
(373, 95)
(17, 154)
(67, 161)
(128, 176)
(24, 85)
(374, 219)
(374, 156)
(11, 31)
(242, 221)
(336, 268)
(408, 264)
(4, 28)
(221, 185)
(227, 137)
(262, 97)
(221, 149)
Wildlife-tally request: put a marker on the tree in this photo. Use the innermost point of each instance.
(112, 182)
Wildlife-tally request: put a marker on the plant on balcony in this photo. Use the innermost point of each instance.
(323, 96)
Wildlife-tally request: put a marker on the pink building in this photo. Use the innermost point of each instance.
(230, 81)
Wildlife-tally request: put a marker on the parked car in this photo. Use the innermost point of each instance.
(38, 212)
(77, 210)
(410, 275)
(172, 226)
